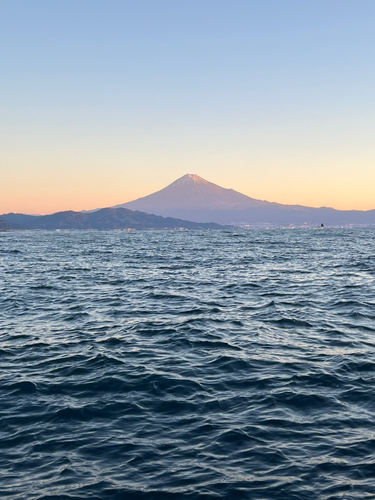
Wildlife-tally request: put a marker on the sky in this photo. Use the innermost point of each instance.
(102, 102)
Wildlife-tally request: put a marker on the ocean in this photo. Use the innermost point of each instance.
(187, 365)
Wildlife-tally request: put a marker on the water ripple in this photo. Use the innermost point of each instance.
(198, 365)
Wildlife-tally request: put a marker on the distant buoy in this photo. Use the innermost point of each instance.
(322, 225)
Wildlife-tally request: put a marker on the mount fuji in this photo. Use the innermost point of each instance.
(193, 198)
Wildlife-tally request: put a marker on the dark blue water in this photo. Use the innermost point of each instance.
(187, 365)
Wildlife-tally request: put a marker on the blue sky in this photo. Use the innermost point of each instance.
(102, 102)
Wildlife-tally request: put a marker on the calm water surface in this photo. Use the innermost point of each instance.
(187, 365)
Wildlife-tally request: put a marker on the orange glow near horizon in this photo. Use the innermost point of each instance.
(102, 106)
(42, 191)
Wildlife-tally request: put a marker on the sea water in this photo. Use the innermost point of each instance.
(187, 365)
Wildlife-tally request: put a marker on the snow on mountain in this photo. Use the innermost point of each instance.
(191, 192)
(193, 198)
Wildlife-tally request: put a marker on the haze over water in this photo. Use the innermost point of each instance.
(200, 365)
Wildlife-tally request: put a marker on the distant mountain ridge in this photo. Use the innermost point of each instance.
(191, 203)
(103, 219)
(193, 198)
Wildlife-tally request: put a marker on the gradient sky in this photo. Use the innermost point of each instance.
(105, 101)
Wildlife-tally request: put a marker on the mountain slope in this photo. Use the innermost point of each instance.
(17, 221)
(196, 199)
(104, 219)
(193, 192)
(4, 226)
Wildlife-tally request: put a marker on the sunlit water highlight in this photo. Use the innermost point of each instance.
(197, 365)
